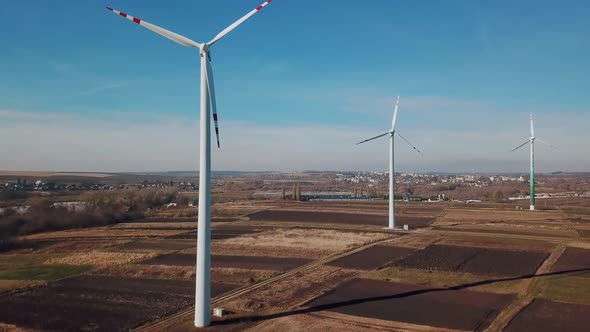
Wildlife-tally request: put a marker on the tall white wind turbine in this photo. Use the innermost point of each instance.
(391, 133)
(532, 140)
(203, 278)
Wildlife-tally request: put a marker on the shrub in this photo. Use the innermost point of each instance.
(102, 208)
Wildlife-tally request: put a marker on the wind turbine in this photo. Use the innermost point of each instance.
(203, 278)
(532, 140)
(391, 133)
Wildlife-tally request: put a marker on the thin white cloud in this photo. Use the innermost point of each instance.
(365, 102)
(98, 88)
(66, 143)
(430, 103)
(11, 115)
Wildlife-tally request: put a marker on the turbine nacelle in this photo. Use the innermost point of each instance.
(204, 49)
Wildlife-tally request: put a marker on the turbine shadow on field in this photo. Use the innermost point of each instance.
(330, 306)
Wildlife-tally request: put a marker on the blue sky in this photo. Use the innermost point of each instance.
(296, 86)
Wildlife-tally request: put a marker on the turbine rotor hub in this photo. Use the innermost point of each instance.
(204, 49)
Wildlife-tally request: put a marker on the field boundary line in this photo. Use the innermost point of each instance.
(441, 216)
(330, 226)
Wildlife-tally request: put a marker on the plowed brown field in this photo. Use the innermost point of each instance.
(464, 310)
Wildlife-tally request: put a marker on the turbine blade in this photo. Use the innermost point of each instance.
(520, 146)
(212, 101)
(182, 40)
(410, 144)
(372, 138)
(532, 128)
(394, 114)
(548, 144)
(237, 23)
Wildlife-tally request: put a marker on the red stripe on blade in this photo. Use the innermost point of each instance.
(109, 8)
(123, 14)
(215, 117)
(259, 8)
(136, 20)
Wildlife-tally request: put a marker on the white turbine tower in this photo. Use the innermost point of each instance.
(203, 278)
(391, 134)
(532, 140)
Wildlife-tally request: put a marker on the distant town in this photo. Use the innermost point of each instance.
(317, 185)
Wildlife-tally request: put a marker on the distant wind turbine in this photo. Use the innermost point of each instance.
(391, 133)
(532, 140)
(203, 278)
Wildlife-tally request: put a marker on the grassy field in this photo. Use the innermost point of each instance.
(132, 273)
(32, 267)
(24, 260)
(564, 289)
(46, 272)
(440, 279)
(100, 258)
(296, 242)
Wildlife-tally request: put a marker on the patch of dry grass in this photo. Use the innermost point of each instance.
(106, 232)
(76, 245)
(100, 258)
(292, 291)
(416, 240)
(6, 285)
(168, 272)
(176, 224)
(240, 276)
(233, 212)
(165, 272)
(296, 242)
(13, 328)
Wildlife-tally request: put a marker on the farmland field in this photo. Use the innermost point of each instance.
(372, 258)
(543, 315)
(281, 264)
(576, 260)
(474, 260)
(339, 218)
(462, 310)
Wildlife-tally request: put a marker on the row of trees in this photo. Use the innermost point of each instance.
(100, 208)
(121, 204)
